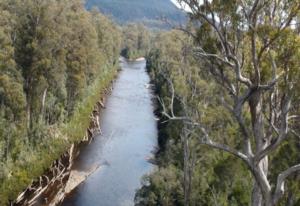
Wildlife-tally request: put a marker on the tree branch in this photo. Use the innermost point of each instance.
(279, 191)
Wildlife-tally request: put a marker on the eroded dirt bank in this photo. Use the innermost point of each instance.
(129, 136)
(59, 179)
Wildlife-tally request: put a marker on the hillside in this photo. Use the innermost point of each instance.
(147, 11)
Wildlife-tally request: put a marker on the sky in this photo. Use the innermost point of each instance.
(175, 2)
(179, 6)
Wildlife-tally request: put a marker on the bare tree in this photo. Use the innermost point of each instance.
(242, 44)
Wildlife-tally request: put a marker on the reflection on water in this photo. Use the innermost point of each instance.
(129, 135)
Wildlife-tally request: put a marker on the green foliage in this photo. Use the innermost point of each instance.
(162, 189)
(56, 59)
(233, 81)
(287, 155)
(82, 111)
(136, 41)
(212, 172)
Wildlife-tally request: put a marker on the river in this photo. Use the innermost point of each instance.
(129, 135)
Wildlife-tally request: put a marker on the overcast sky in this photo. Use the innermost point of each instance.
(176, 3)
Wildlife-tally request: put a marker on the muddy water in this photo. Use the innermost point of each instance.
(129, 135)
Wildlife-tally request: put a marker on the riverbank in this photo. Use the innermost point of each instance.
(67, 139)
(129, 135)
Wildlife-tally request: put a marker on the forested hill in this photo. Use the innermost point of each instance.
(147, 11)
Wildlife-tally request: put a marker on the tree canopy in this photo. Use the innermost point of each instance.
(227, 87)
(54, 56)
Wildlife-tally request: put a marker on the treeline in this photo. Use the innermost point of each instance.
(228, 102)
(137, 40)
(55, 59)
(209, 177)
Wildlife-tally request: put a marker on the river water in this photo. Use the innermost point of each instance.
(129, 135)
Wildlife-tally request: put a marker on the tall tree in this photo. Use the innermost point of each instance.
(53, 55)
(136, 41)
(109, 39)
(12, 99)
(39, 48)
(251, 50)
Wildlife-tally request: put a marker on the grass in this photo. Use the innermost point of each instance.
(34, 163)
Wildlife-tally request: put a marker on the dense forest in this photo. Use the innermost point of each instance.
(137, 40)
(228, 102)
(226, 87)
(55, 58)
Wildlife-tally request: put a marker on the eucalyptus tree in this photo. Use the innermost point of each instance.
(12, 99)
(109, 37)
(51, 53)
(251, 50)
(39, 42)
(136, 40)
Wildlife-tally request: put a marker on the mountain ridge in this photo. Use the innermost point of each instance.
(149, 12)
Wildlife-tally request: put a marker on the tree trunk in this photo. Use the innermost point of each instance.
(256, 196)
(291, 199)
(28, 112)
(7, 146)
(43, 103)
(186, 172)
(261, 142)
